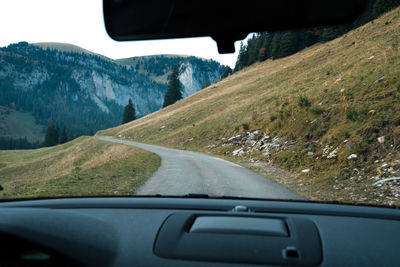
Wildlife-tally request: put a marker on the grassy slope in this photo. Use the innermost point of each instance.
(339, 78)
(82, 167)
(18, 124)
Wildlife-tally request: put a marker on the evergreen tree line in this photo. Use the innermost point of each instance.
(54, 136)
(8, 143)
(160, 65)
(284, 43)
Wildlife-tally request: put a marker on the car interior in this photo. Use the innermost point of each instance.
(195, 229)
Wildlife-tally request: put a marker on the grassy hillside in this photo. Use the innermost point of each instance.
(318, 106)
(82, 167)
(16, 124)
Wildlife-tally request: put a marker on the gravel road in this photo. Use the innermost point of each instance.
(182, 172)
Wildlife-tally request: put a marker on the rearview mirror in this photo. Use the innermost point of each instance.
(225, 21)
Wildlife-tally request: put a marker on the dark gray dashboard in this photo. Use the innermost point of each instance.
(197, 232)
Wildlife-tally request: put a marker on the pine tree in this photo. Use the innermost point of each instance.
(275, 45)
(57, 135)
(129, 112)
(227, 72)
(243, 57)
(173, 93)
(64, 136)
(265, 49)
(288, 44)
(51, 138)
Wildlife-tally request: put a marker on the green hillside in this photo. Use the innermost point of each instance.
(312, 111)
(82, 167)
(17, 124)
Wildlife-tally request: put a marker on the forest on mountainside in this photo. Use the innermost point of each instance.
(265, 45)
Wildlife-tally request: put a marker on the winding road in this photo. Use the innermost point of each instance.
(183, 172)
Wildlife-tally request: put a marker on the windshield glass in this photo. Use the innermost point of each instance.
(306, 114)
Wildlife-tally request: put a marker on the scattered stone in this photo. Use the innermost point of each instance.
(162, 127)
(345, 141)
(325, 151)
(305, 171)
(333, 154)
(254, 141)
(234, 138)
(381, 139)
(310, 153)
(352, 156)
(384, 165)
(238, 152)
(249, 139)
(371, 57)
(210, 146)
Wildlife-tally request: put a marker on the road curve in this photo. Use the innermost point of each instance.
(182, 172)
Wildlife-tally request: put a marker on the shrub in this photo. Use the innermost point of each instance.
(281, 114)
(352, 114)
(272, 117)
(398, 88)
(346, 134)
(317, 110)
(304, 101)
(363, 113)
(245, 126)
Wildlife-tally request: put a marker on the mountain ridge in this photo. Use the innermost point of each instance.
(65, 84)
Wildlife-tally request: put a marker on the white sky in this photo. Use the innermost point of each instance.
(80, 22)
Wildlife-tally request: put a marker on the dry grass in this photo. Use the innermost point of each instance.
(336, 77)
(84, 166)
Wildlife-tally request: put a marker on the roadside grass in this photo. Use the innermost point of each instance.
(343, 93)
(82, 167)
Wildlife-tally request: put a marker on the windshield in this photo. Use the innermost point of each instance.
(306, 114)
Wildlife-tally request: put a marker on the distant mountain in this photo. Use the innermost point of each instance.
(68, 85)
(194, 71)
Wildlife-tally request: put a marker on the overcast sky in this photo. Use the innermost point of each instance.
(80, 22)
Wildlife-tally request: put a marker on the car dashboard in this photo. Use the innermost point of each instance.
(162, 231)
